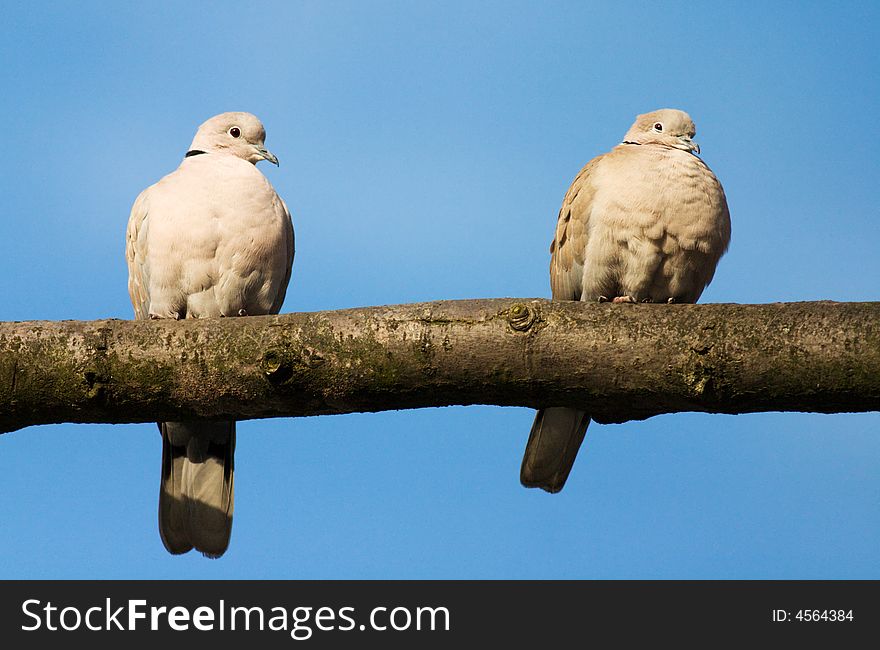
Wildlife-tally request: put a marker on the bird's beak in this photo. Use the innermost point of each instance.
(689, 144)
(265, 154)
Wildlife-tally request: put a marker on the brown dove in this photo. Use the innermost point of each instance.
(645, 222)
(210, 239)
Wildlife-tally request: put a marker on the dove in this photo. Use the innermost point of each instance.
(211, 239)
(645, 222)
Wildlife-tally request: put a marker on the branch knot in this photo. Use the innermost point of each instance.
(520, 317)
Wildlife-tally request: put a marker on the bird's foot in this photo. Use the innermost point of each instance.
(671, 300)
(176, 316)
(624, 299)
(603, 299)
(242, 312)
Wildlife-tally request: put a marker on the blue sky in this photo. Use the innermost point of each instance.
(425, 148)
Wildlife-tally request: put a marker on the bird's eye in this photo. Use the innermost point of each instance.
(658, 127)
(235, 132)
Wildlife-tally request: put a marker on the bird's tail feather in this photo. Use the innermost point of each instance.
(556, 436)
(196, 497)
(172, 511)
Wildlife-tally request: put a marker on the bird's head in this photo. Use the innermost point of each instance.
(239, 134)
(667, 127)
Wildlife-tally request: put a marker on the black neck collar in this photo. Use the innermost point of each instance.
(194, 152)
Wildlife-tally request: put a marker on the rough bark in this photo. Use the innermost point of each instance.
(620, 362)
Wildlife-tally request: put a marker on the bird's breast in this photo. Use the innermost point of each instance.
(660, 193)
(218, 238)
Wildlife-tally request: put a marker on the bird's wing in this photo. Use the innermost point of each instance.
(136, 256)
(289, 242)
(569, 245)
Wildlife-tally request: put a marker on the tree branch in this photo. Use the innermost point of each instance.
(620, 362)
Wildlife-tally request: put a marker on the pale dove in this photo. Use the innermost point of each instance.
(210, 239)
(645, 222)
